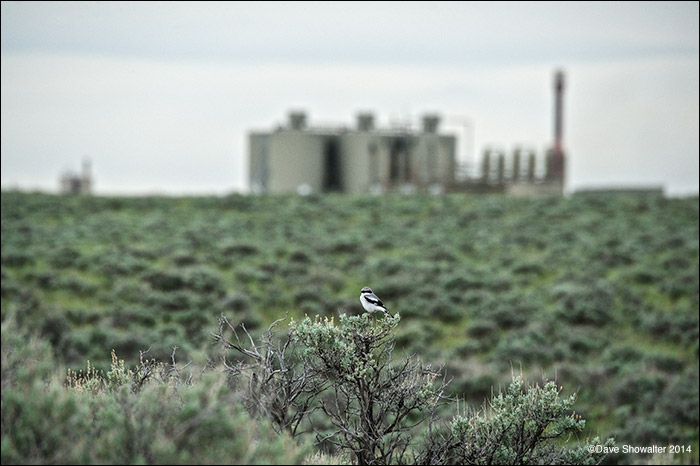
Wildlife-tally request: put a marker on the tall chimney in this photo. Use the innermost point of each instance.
(557, 168)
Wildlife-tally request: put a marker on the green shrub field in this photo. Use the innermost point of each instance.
(596, 292)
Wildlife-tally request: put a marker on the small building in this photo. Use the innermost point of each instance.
(73, 183)
(306, 159)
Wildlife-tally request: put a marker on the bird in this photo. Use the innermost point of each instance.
(371, 301)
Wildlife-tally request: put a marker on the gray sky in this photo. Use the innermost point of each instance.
(160, 96)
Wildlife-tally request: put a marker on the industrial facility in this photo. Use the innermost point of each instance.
(74, 183)
(298, 157)
(301, 158)
(519, 172)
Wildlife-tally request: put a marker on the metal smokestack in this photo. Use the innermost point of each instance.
(558, 150)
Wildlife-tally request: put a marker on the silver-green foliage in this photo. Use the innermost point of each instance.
(520, 425)
(149, 415)
(372, 403)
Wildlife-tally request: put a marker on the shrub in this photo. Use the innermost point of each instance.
(17, 259)
(64, 257)
(165, 281)
(372, 400)
(585, 304)
(483, 329)
(154, 413)
(517, 426)
(238, 249)
(371, 406)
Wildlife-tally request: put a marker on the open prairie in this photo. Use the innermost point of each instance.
(599, 293)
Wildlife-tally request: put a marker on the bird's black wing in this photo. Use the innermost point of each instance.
(375, 301)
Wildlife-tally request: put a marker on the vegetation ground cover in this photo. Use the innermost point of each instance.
(597, 292)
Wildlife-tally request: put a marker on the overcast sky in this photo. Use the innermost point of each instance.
(160, 96)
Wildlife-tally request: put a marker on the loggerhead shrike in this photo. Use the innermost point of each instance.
(371, 302)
